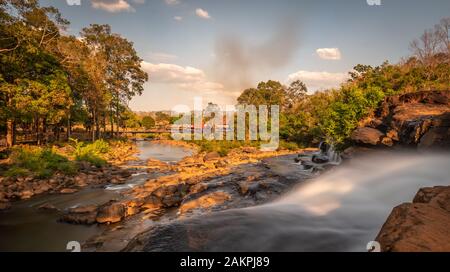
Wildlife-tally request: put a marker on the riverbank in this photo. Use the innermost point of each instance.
(31, 171)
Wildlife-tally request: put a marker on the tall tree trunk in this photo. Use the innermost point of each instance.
(36, 130)
(69, 127)
(93, 125)
(10, 133)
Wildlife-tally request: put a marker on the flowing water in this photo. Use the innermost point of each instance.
(24, 228)
(340, 210)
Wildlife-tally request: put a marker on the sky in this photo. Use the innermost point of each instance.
(214, 49)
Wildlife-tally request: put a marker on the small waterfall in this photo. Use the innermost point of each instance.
(327, 155)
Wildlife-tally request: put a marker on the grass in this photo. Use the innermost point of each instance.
(94, 153)
(38, 162)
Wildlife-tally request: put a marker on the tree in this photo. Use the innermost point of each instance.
(148, 122)
(266, 93)
(124, 77)
(27, 66)
(295, 93)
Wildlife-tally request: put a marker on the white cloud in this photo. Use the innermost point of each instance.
(202, 13)
(112, 5)
(162, 57)
(172, 2)
(186, 78)
(178, 18)
(329, 53)
(319, 80)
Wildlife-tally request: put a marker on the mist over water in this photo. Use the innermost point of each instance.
(341, 210)
(238, 61)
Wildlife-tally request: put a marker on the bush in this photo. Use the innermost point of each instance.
(93, 153)
(39, 162)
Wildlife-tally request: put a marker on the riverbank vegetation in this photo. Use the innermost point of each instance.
(332, 115)
(64, 158)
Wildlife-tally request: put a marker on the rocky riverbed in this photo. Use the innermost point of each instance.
(197, 185)
(114, 172)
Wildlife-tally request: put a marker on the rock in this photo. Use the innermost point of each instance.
(435, 138)
(151, 202)
(393, 134)
(4, 206)
(111, 214)
(387, 141)
(81, 215)
(367, 135)
(211, 156)
(42, 187)
(246, 187)
(117, 180)
(416, 227)
(249, 150)
(205, 201)
(47, 207)
(68, 191)
(421, 225)
(26, 194)
(319, 159)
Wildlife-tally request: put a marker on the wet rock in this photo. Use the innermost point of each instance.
(387, 141)
(68, 191)
(47, 207)
(85, 215)
(117, 180)
(151, 202)
(111, 213)
(205, 201)
(320, 158)
(367, 135)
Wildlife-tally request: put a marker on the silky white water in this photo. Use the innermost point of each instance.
(340, 210)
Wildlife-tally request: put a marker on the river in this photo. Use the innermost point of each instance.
(25, 228)
(340, 210)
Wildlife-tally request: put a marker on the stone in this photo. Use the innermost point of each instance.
(68, 191)
(319, 159)
(367, 135)
(393, 134)
(47, 207)
(387, 141)
(26, 194)
(416, 227)
(421, 225)
(111, 213)
(211, 156)
(85, 215)
(205, 202)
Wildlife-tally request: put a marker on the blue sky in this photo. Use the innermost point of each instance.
(216, 48)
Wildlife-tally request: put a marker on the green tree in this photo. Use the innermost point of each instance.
(148, 122)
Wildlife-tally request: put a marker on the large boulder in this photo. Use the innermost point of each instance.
(80, 215)
(367, 135)
(419, 226)
(111, 213)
